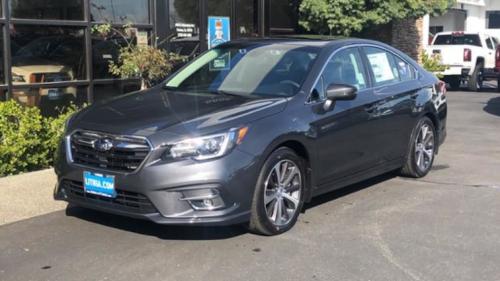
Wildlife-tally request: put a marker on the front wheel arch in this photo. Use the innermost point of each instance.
(301, 150)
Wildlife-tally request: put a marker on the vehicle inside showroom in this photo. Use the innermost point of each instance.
(52, 57)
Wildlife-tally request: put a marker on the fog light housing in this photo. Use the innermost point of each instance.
(203, 199)
(208, 203)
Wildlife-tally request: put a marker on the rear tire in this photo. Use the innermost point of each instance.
(476, 80)
(279, 193)
(422, 150)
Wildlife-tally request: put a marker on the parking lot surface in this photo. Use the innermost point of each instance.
(443, 227)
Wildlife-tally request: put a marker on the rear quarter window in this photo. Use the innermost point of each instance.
(406, 71)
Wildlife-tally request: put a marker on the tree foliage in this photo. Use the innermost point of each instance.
(342, 17)
(149, 63)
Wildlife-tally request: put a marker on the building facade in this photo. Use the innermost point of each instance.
(51, 55)
(469, 15)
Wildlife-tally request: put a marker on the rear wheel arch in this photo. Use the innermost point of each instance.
(479, 60)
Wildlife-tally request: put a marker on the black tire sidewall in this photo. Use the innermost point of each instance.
(277, 156)
(421, 122)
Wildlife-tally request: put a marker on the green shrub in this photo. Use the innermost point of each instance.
(433, 64)
(28, 140)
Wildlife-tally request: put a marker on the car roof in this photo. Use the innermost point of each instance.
(461, 32)
(325, 45)
(319, 42)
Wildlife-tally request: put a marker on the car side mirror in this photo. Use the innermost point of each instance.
(336, 92)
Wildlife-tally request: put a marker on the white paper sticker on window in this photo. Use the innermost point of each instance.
(381, 67)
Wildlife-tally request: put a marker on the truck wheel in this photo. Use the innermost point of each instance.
(454, 83)
(498, 85)
(476, 80)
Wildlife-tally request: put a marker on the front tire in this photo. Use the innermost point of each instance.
(422, 150)
(279, 193)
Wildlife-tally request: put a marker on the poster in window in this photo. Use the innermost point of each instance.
(219, 31)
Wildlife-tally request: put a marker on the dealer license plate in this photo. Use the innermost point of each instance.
(99, 184)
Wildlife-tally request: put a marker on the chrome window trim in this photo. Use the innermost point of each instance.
(371, 87)
(70, 160)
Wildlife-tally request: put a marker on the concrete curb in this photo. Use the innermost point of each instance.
(28, 195)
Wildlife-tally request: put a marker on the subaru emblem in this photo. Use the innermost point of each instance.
(103, 145)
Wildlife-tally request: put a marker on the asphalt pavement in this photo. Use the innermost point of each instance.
(443, 227)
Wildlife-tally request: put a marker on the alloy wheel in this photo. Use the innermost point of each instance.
(424, 148)
(282, 192)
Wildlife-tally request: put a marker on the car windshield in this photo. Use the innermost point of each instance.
(467, 39)
(258, 70)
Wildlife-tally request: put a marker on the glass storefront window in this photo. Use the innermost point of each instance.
(116, 88)
(184, 30)
(247, 18)
(120, 11)
(51, 101)
(107, 49)
(284, 16)
(47, 54)
(219, 8)
(47, 9)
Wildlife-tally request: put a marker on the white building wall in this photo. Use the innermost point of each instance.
(451, 21)
(475, 20)
(492, 5)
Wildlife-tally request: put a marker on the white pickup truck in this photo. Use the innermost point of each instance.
(470, 56)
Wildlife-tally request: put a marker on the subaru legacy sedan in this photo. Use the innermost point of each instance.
(251, 130)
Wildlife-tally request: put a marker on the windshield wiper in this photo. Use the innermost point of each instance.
(226, 93)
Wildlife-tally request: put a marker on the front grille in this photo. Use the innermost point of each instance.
(125, 200)
(124, 154)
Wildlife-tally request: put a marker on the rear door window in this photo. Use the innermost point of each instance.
(495, 41)
(464, 39)
(383, 65)
(489, 43)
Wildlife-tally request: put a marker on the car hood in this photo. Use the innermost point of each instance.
(158, 111)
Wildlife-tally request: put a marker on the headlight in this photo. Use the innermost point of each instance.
(16, 78)
(207, 147)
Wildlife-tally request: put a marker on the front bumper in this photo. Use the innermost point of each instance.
(159, 191)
